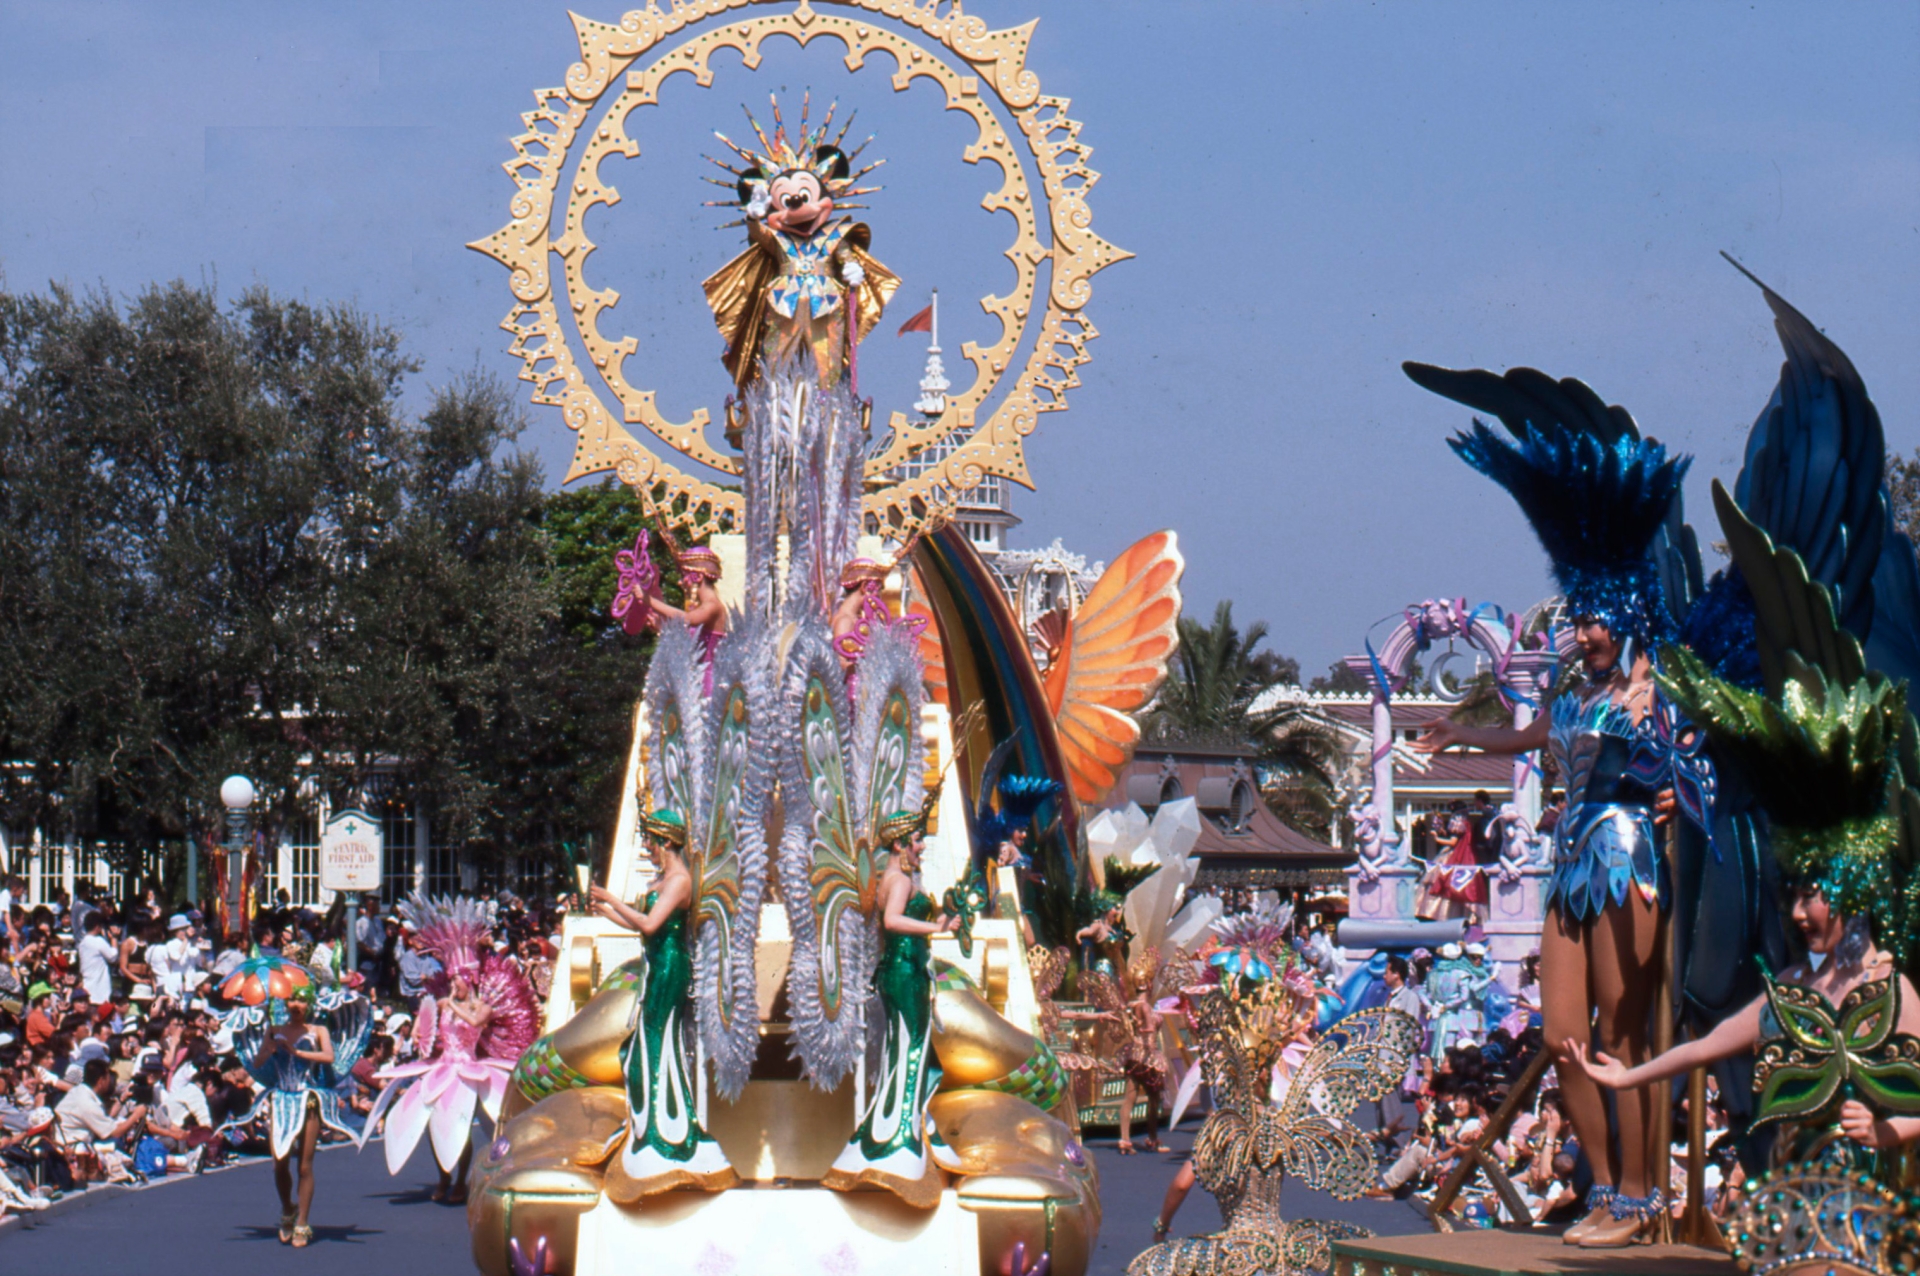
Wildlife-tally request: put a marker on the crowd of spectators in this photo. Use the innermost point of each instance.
(115, 1066)
(1434, 1122)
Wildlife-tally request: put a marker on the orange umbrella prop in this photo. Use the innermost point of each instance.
(264, 977)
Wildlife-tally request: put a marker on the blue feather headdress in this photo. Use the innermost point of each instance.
(1596, 505)
(1020, 797)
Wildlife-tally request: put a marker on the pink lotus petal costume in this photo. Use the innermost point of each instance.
(461, 1066)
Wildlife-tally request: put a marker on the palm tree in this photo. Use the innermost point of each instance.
(1216, 697)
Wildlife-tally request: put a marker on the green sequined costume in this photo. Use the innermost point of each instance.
(665, 1144)
(1830, 1200)
(891, 1143)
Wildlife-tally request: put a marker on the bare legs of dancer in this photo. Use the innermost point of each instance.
(1597, 982)
(1176, 1197)
(283, 1169)
(451, 1191)
(1127, 1098)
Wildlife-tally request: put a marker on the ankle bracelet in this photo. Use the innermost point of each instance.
(1643, 1207)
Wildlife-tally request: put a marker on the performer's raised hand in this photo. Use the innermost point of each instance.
(1440, 733)
(1602, 1067)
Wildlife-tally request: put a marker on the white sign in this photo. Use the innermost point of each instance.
(350, 853)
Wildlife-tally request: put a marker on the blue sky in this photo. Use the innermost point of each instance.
(1314, 192)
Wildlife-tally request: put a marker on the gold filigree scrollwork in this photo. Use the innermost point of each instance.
(986, 68)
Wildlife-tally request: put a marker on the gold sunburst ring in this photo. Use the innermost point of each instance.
(556, 169)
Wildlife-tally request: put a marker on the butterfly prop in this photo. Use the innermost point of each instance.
(638, 578)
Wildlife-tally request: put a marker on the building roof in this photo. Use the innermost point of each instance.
(1236, 827)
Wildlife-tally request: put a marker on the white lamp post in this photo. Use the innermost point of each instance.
(236, 794)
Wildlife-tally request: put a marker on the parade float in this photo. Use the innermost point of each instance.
(847, 759)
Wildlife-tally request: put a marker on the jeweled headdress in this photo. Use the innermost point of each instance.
(814, 153)
(897, 827)
(665, 825)
(698, 560)
(1596, 505)
(859, 571)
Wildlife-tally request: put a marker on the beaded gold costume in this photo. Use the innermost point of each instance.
(1248, 1145)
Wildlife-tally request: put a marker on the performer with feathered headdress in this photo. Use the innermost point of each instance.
(1597, 495)
(1839, 1033)
(478, 1016)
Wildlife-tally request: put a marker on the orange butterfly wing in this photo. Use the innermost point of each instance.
(933, 658)
(1113, 659)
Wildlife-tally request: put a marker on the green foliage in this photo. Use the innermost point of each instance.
(585, 527)
(228, 548)
(1209, 699)
(1340, 678)
(1122, 878)
(1903, 494)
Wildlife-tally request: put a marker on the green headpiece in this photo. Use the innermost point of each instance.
(1105, 902)
(898, 827)
(1822, 762)
(665, 825)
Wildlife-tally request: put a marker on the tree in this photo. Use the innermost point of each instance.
(1341, 679)
(1903, 494)
(228, 548)
(1217, 697)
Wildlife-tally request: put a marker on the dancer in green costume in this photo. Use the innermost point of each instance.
(891, 1146)
(665, 1145)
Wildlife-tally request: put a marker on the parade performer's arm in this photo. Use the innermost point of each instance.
(1734, 1035)
(1858, 1122)
(674, 893)
(1445, 732)
(474, 1011)
(706, 610)
(322, 1053)
(899, 890)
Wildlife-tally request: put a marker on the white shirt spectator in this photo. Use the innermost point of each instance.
(96, 968)
(183, 966)
(184, 1100)
(160, 961)
(82, 1117)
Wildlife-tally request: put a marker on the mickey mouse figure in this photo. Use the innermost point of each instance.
(805, 282)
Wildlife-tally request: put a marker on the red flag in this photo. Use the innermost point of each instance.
(922, 322)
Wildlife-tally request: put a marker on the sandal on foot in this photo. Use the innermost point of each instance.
(286, 1226)
(302, 1236)
(458, 1196)
(1124, 1147)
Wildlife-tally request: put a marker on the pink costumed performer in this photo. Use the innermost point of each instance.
(480, 1014)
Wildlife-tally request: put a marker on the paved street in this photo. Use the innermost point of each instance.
(367, 1224)
(1132, 1187)
(364, 1223)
